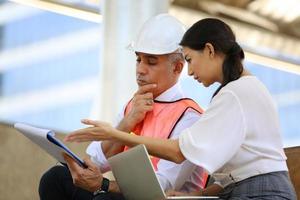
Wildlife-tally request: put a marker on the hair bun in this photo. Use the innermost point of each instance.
(234, 49)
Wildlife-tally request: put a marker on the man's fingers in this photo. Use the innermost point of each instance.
(143, 99)
(148, 95)
(146, 88)
(149, 102)
(148, 108)
(73, 166)
(89, 163)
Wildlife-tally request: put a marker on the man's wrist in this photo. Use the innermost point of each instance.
(104, 186)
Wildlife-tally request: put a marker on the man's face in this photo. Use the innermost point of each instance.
(155, 69)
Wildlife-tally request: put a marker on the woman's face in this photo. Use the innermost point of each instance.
(204, 65)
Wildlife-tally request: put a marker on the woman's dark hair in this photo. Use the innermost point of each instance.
(220, 35)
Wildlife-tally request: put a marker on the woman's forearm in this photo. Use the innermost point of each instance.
(163, 148)
(110, 148)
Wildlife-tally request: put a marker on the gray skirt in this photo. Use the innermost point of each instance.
(271, 186)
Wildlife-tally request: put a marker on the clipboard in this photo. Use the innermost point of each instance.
(46, 139)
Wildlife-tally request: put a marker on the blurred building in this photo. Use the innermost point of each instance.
(57, 66)
(50, 59)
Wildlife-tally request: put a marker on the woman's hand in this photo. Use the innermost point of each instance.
(98, 132)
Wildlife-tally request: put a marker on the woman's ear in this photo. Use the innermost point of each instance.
(211, 50)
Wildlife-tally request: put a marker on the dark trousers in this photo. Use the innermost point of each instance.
(57, 183)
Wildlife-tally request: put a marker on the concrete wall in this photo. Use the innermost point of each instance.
(23, 163)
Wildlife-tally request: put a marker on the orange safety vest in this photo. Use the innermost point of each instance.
(161, 121)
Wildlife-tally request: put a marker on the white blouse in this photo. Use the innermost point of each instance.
(239, 134)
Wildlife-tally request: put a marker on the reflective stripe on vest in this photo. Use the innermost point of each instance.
(161, 121)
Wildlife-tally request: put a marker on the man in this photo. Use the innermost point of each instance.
(157, 109)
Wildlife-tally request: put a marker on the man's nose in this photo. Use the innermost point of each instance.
(141, 68)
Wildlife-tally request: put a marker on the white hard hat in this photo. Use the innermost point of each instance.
(159, 35)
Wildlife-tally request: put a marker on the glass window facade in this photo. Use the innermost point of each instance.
(50, 63)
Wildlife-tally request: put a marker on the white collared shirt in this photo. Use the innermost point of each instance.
(240, 133)
(185, 176)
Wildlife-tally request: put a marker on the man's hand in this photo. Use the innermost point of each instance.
(89, 178)
(142, 103)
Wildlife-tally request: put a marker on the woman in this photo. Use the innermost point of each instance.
(238, 137)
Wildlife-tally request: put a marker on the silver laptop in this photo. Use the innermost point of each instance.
(136, 178)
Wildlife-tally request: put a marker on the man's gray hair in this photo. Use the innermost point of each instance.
(176, 56)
